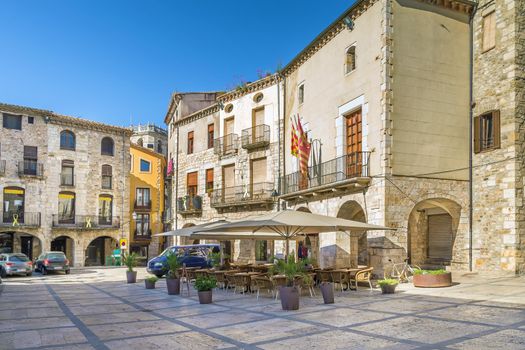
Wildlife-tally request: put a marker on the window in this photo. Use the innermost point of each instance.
(211, 135)
(190, 142)
(142, 225)
(107, 180)
(261, 251)
(67, 140)
(228, 108)
(107, 147)
(300, 93)
(145, 166)
(30, 120)
(67, 177)
(105, 209)
(489, 31)
(350, 60)
(192, 186)
(258, 97)
(150, 146)
(13, 204)
(11, 121)
(487, 134)
(30, 160)
(209, 180)
(66, 208)
(142, 197)
(159, 146)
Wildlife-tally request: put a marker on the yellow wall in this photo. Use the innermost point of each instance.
(154, 180)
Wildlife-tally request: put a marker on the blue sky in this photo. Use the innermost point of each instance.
(114, 60)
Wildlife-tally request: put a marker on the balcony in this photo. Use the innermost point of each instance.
(142, 205)
(67, 180)
(86, 222)
(189, 205)
(140, 235)
(255, 137)
(258, 194)
(226, 145)
(24, 219)
(346, 173)
(2, 167)
(30, 168)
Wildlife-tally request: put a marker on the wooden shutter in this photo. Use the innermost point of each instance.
(489, 31)
(440, 237)
(106, 170)
(228, 126)
(258, 171)
(497, 128)
(258, 117)
(192, 179)
(477, 133)
(209, 175)
(30, 152)
(228, 175)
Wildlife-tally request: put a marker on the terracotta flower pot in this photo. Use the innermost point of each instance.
(433, 281)
(327, 290)
(173, 285)
(149, 284)
(205, 297)
(131, 276)
(388, 288)
(289, 298)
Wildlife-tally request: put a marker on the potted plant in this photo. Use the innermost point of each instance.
(388, 285)
(204, 286)
(150, 282)
(130, 260)
(172, 277)
(327, 291)
(291, 271)
(432, 278)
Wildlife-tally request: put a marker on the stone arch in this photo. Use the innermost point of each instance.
(98, 249)
(433, 227)
(66, 244)
(352, 210)
(17, 241)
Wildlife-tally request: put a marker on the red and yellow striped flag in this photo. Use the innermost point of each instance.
(295, 141)
(304, 149)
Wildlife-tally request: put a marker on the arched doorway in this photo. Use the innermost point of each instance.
(66, 245)
(351, 210)
(98, 249)
(432, 228)
(20, 242)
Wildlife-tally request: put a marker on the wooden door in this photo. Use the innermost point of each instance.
(354, 143)
(257, 123)
(440, 238)
(228, 137)
(258, 177)
(228, 182)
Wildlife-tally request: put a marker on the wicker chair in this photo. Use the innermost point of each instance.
(229, 278)
(241, 282)
(324, 276)
(339, 277)
(221, 280)
(263, 283)
(364, 275)
(278, 281)
(301, 282)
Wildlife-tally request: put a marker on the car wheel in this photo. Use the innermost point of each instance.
(43, 271)
(68, 272)
(3, 274)
(159, 275)
(29, 274)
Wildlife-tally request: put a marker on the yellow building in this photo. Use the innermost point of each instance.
(146, 201)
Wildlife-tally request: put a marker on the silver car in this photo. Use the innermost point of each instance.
(15, 264)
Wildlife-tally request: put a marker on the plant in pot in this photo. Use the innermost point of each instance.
(432, 278)
(291, 270)
(130, 260)
(172, 277)
(150, 282)
(388, 285)
(204, 286)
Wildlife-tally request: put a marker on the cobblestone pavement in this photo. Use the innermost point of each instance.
(95, 309)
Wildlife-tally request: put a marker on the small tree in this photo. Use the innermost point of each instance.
(130, 260)
(292, 269)
(205, 283)
(173, 265)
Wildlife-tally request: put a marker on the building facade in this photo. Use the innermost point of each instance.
(64, 184)
(146, 205)
(151, 137)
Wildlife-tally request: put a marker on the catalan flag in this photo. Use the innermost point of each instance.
(295, 141)
(304, 149)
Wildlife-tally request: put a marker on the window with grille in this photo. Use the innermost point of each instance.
(487, 133)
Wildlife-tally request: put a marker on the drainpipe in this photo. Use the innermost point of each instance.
(124, 188)
(471, 135)
(176, 169)
(284, 137)
(279, 136)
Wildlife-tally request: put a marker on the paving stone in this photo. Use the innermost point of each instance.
(187, 340)
(509, 339)
(134, 329)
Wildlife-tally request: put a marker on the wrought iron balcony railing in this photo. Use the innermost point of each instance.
(2, 167)
(189, 204)
(354, 165)
(255, 137)
(22, 219)
(242, 195)
(139, 234)
(225, 145)
(142, 205)
(85, 222)
(30, 168)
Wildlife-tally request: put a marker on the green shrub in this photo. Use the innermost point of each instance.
(205, 283)
(429, 272)
(130, 260)
(152, 279)
(292, 269)
(173, 265)
(387, 282)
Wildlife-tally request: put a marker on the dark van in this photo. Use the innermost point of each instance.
(195, 255)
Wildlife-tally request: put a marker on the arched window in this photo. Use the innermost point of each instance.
(67, 140)
(66, 208)
(107, 147)
(107, 179)
(13, 205)
(350, 59)
(140, 142)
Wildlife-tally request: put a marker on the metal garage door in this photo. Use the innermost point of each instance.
(440, 237)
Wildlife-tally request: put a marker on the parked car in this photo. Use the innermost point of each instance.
(196, 255)
(52, 261)
(15, 264)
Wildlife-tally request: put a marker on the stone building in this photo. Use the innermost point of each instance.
(227, 160)
(150, 136)
(146, 201)
(64, 185)
(498, 123)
